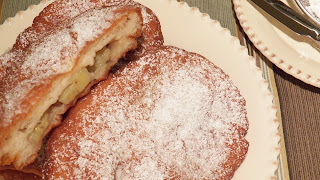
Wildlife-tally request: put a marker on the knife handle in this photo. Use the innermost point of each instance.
(283, 7)
(294, 20)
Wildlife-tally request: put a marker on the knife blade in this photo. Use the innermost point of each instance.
(288, 17)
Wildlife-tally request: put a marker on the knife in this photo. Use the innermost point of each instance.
(289, 18)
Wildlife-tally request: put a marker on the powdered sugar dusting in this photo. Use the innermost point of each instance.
(152, 34)
(171, 114)
(146, 17)
(59, 11)
(55, 54)
(62, 10)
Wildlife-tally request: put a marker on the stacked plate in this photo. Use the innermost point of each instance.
(311, 8)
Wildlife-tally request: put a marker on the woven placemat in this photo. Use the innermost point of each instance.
(9, 8)
(300, 104)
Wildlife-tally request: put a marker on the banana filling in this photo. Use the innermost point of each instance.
(81, 80)
(79, 83)
(36, 134)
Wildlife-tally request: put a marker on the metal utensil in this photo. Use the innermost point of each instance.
(289, 17)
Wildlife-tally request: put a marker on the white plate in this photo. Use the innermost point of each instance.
(187, 28)
(297, 55)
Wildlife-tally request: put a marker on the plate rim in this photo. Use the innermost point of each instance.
(306, 74)
(235, 42)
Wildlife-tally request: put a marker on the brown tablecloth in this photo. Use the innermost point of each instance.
(298, 102)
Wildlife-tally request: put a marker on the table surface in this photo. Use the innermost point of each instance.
(297, 102)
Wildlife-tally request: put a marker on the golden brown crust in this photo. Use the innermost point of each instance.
(40, 65)
(62, 10)
(17, 175)
(171, 114)
(34, 168)
(57, 14)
